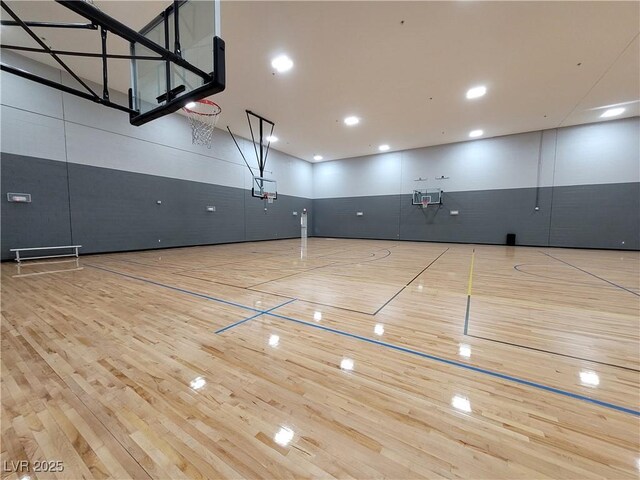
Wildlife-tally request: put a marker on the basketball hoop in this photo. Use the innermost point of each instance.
(268, 197)
(203, 116)
(426, 200)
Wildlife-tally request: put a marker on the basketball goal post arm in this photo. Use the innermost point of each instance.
(261, 156)
(213, 82)
(241, 154)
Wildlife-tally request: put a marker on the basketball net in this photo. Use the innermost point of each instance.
(268, 197)
(203, 116)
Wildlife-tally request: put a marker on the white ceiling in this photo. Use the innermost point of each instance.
(545, 64)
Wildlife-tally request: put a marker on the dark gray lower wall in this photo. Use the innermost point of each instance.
(22, 224)
(109, 210)
(588, 216)
(336, 217)
(596, 216)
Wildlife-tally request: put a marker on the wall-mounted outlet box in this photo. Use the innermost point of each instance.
(295, 214)
(359, 214)
(19, 197)
(454, 212)
(211, 209)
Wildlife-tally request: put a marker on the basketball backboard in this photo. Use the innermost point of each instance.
(176, 59)
(264, 188)
(427, 196)
(190, 29)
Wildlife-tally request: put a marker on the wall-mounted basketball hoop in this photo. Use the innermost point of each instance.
(425, 196)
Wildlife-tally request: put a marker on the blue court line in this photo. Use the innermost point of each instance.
(188, 292)
(392, 346)
(240, 322)
(491, 373)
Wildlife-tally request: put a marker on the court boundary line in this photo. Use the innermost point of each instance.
(527, 347)
(556, 280)
(182, 273)
(310, 301)
(177, 289)
(592, 274)
(288, 276)
(552, 352)
(410, 281)
(454, 363)
(491, 373)
(240, 322)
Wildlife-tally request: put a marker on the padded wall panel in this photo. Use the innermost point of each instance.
(484, 216)
(596, 216)
(337, 217)
(44, 221)
(114, 210)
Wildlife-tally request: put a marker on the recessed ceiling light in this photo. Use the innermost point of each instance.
(317, 157)
(475, 133)
(272, 138)
(351, 121)
(282, 63)
(190, 104)
(383, 148)
(612, 112)
(476, 92)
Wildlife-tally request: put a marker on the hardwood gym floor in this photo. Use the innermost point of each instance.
(357, 359)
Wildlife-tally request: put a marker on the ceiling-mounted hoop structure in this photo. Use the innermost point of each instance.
(211, 82)
(261, 149)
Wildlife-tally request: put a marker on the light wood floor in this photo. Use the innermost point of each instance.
(353, 362)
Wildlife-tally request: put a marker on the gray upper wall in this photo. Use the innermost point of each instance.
(600, 153)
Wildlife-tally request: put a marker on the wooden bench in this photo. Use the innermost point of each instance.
(62, 247)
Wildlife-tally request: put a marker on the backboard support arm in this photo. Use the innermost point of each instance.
(44, 46)
(64, 88)
(261, 156)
